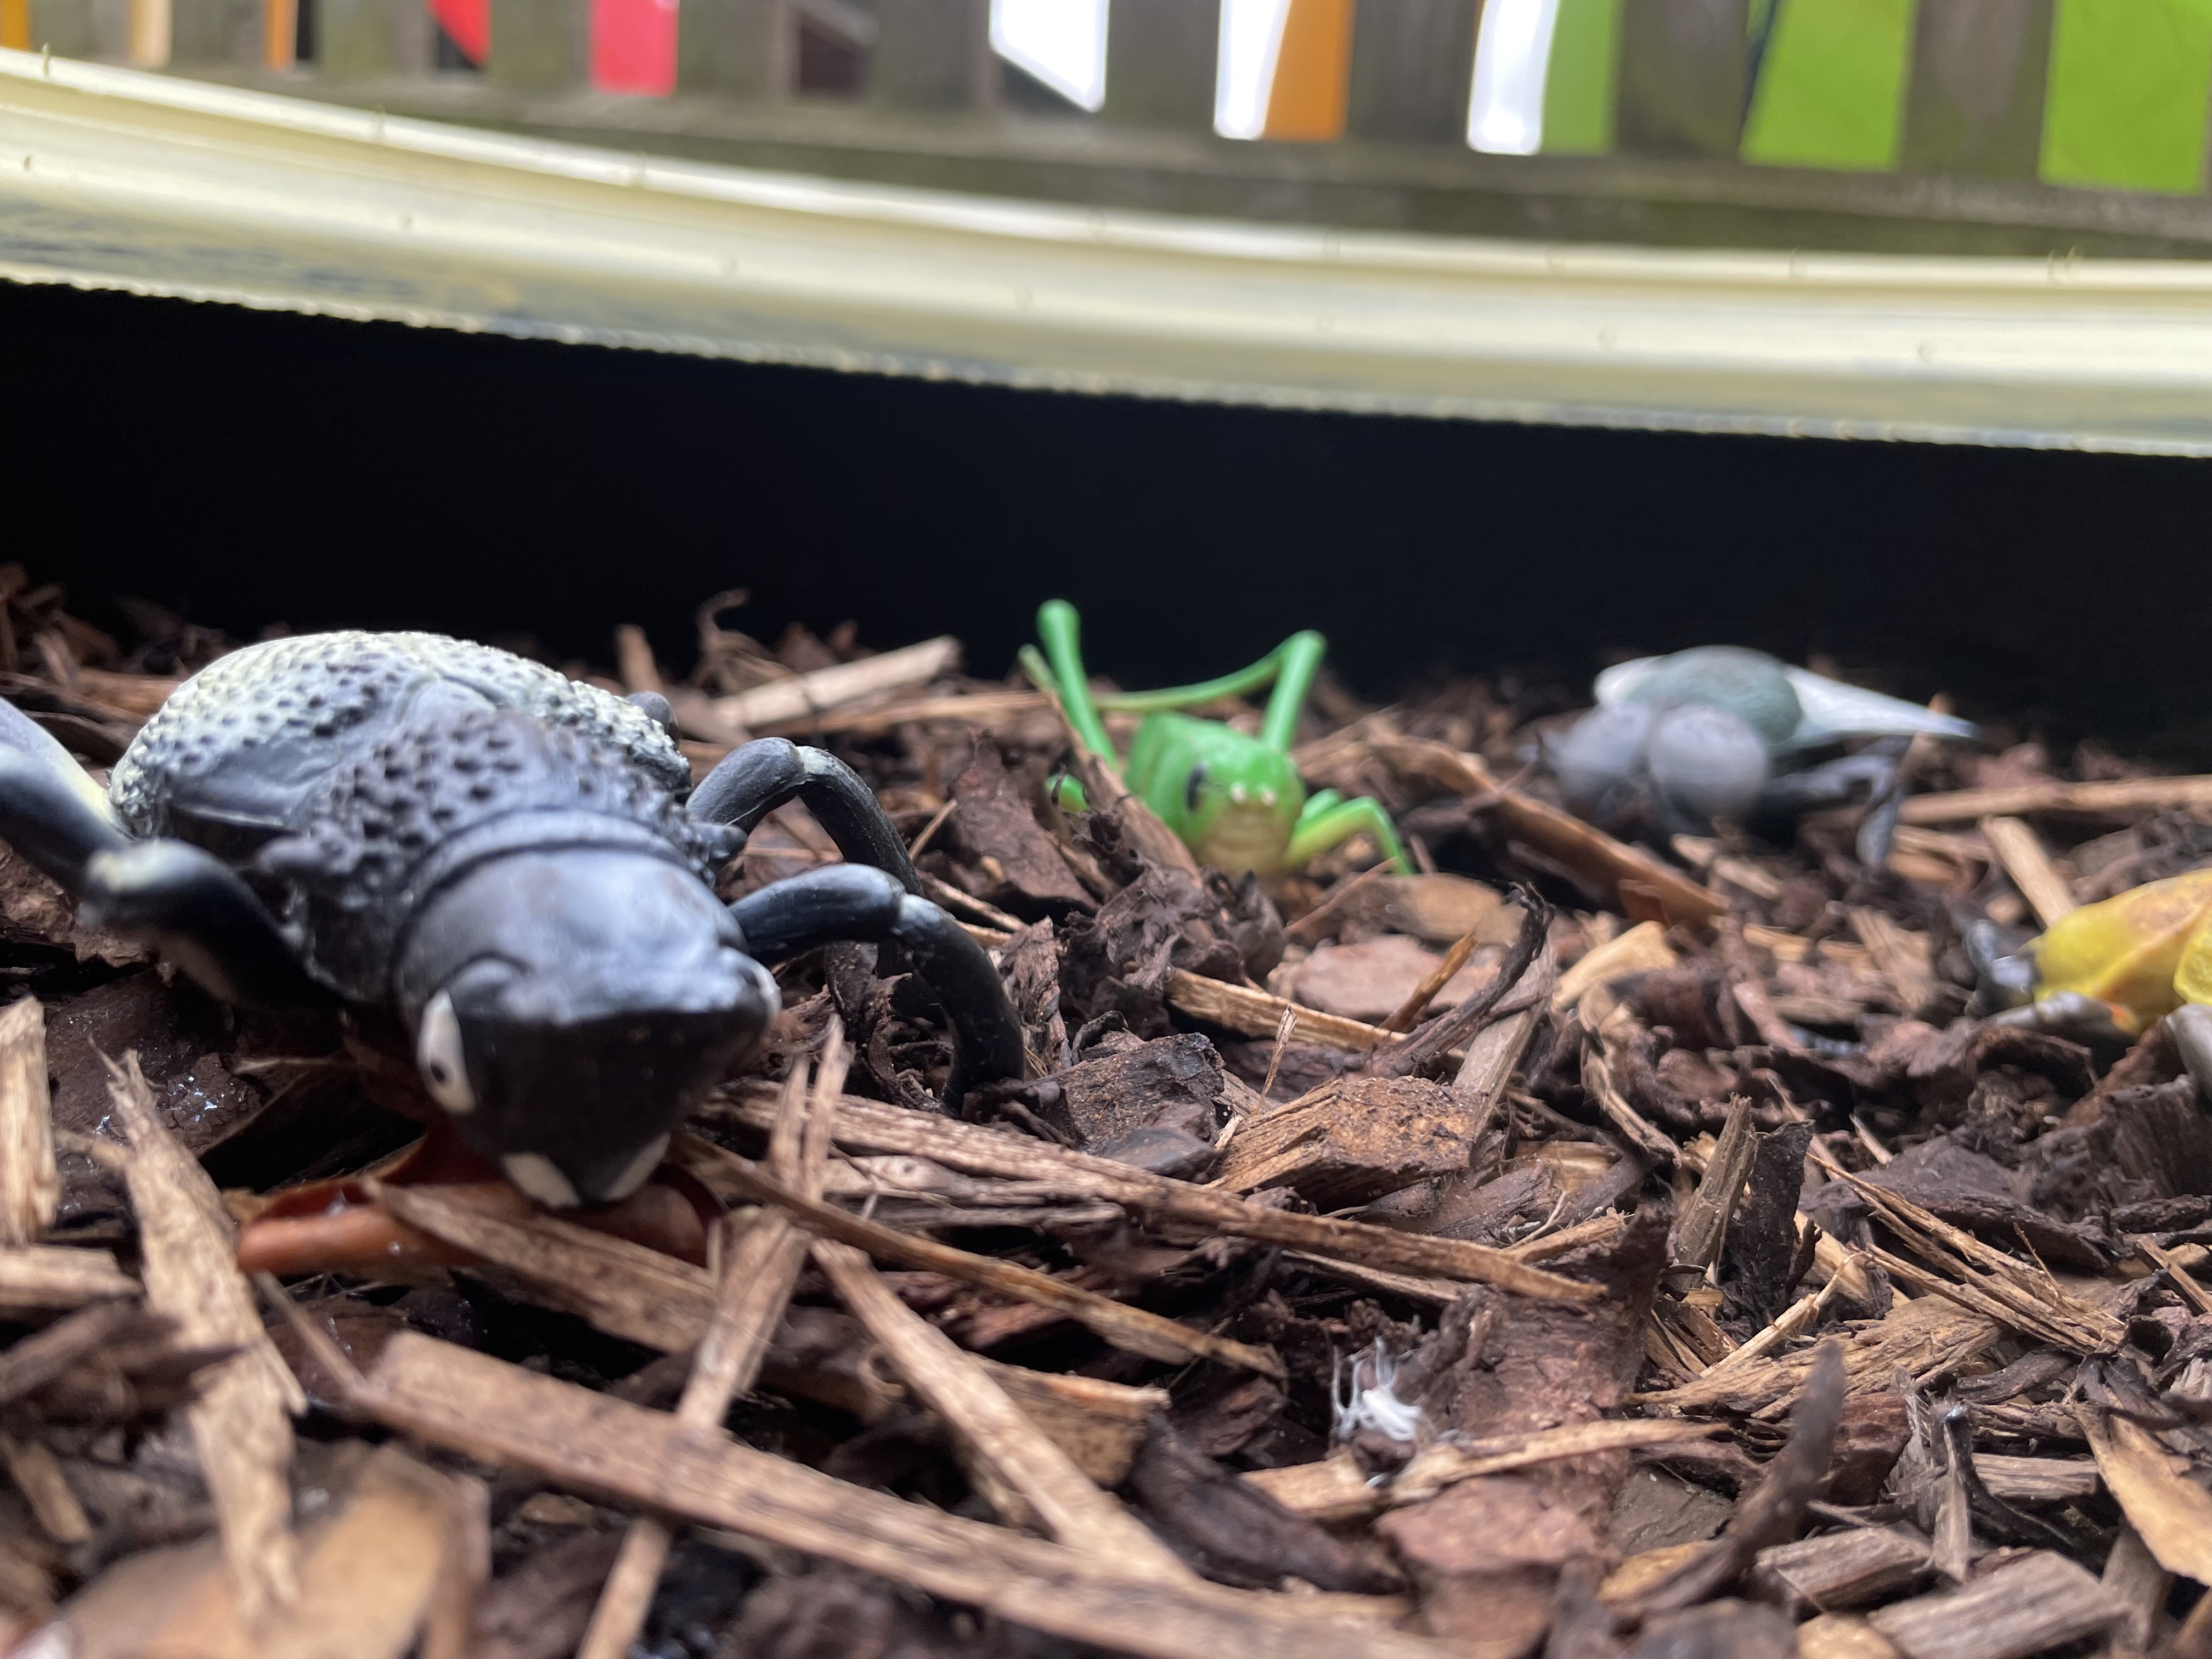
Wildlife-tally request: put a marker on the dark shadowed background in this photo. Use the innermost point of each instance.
(249, 469)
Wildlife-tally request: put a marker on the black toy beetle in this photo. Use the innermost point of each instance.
(512, 862)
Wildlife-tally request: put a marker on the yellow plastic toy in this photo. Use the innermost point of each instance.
(2142, 953)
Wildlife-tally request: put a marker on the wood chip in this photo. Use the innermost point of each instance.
(1256, 1013)
(1917, 1337)
(1133, 1329)
(2127, 795)
(38, 1359)
(758, 1274)
(1353, 1140)
(59, 1276)
(1846, 1569)
(1336, 1489)
(2036, 1479)
(242, 1420)
(2184, 1282)
(1789, 947)
(486, 1408)
(1980, 1276)
(1704, 1221)
(37, 1476)
(1020, 1460)
(1099, 1425)
(1899, 957)
(796, 699)
(1582, 847)
(2025, 860)
(1106, 791)
(1635, 1128)
(2173, 1513)
(2041, 1602)
(1842, 1635)
(987, 710)
(870, 1126)
(1641, 949)
(1742, 872)
(623, 1289)
(1408, 1013)
(371, 1577)
(1494, 1053)
(2136, 1580)
(30, 1182)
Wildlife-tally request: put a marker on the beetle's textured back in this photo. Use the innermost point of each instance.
(243, 744)
(431, 797)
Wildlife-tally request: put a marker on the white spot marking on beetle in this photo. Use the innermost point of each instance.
(633, 1177)
(537, 1176)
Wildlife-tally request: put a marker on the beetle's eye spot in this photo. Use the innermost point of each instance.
(438, 1056)
(1191, 786)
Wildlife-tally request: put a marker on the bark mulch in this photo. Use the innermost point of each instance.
(1580, 1247)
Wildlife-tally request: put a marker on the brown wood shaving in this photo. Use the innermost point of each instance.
(59, 1276)
(30, 1182)
(241, 1421)
(1965, 1269)
(759, 1271)
(487, 1408)
(2171, 1513)
(870, 1126)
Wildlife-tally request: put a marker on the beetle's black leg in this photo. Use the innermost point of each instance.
(852, 902)
(756, 778)
(50, 810)
(195, 910)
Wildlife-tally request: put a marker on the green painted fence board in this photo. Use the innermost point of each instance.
(2125, 105)
(1580, 79)
(1831, 89)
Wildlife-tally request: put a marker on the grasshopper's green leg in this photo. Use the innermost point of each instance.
(1290, 663)
(1300, 656)
(1062, 629)
(1328, 823)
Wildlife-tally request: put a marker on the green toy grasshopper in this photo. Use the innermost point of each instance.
(1237, 801)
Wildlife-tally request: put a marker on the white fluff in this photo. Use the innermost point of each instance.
(1363, 1397)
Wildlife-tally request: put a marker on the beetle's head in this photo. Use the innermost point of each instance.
(571, 1005)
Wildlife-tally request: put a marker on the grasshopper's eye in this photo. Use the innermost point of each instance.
(1191, 785)
(438, 1056)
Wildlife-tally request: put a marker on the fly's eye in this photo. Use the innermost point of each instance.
(1195, 783)
(438, 1056)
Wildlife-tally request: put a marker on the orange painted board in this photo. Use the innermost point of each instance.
(1313, 68)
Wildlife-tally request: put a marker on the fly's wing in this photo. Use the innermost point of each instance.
(229, 759)
(1624, 680)
(1833, 710)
